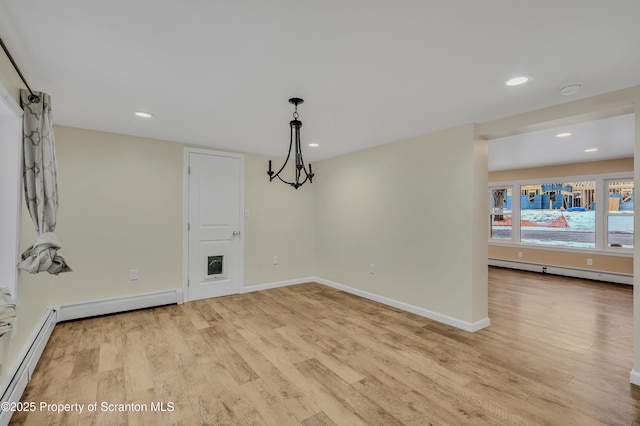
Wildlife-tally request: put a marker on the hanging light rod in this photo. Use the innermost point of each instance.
(32, 97)
(300, 169)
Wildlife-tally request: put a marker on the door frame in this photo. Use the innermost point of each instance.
(185, 216)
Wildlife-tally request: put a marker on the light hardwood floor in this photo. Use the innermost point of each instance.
(558, 351)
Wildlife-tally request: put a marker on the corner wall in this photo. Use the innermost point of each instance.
(281, 223)
(398, 206)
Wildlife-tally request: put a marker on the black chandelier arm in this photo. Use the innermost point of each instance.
(272, 176)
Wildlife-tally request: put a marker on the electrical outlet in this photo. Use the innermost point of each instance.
(372, 268)
(133, 274)
(276, 260)
(589, 262)
(520, 254)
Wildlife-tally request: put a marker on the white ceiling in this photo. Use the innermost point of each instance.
(613, 137)
(219, 73)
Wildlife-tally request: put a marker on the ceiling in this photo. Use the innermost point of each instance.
(612, 137)
(219, 73)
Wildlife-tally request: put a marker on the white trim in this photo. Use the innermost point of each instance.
(185, 215)
(118, 304)
(569, 272)
(445, 319)
(10, 103)
(11, 179)
(634, 377)
(15, 380)
(185, 223)
(268, 286)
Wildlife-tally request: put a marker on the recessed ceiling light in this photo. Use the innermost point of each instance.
(314, 145)
(591, 150)
(517, 81)
(563, 135)
(143, 114)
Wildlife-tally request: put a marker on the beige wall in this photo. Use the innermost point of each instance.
(387, 206)
(121, 209)
(547, 256)
(34, 298)
(540, 256)
(281, 223)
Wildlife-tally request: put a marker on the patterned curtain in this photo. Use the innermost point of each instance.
(7, 311)
(40, 185)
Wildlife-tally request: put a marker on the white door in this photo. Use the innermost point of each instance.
(215, 208)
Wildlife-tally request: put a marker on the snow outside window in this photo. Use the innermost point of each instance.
(560, 214)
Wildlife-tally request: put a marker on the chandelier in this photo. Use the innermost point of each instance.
(301, 173)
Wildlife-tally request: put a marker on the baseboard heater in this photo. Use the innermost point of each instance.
(569, 272)
(117, 305)
(18, 376)
(16, 379)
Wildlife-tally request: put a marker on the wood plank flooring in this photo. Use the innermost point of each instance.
(558, 351)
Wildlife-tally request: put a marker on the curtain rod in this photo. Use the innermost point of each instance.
(32, 97)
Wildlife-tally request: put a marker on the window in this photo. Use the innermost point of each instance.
(500, 214)
(586, 212)
(619, 214)
(552, 218)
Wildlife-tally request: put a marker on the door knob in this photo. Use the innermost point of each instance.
(236, 233)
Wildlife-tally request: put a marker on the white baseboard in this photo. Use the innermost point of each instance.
(118, 304)
(471, 327)
(269, 286)
(15, 380)
(634, 377)
(569, 272)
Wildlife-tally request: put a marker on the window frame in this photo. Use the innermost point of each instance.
(601, 212)
(608, 214)
(506, 213)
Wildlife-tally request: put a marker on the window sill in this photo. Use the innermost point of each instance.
(617, 252)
